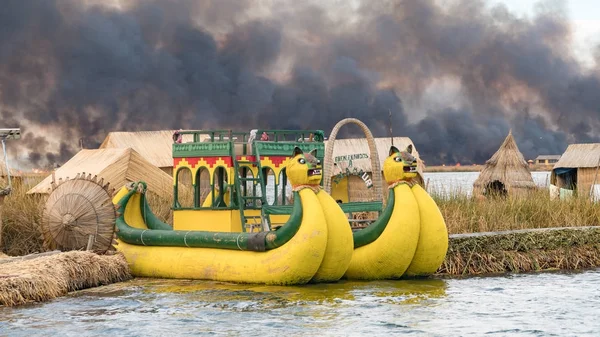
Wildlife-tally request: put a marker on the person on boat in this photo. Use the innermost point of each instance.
(252, 136)
(177, 137)
(264, 137)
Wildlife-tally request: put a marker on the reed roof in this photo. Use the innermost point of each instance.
(508, 166)
(580, 156)
(155, 146)
(547, 156)
(116, 166)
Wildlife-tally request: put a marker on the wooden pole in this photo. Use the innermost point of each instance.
(595, 177)
(391, 133)
(90, 243)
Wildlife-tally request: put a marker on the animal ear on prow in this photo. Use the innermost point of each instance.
(393, 150)
(409, 148)
(313, 152)
(297, 151)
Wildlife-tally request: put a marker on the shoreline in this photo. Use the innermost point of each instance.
(522, 251)
(482, 254)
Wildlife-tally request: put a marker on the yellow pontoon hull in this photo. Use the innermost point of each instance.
(295, 262)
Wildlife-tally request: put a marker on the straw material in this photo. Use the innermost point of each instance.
(375, 163)
(522, 251)
(3, 171)
(75, 210)
(586, 159)
(580, 156)
(155, 146)
(507, 166)
(116, 166)
(48, 277)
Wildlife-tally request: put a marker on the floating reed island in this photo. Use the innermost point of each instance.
(44, 277)
(519, 251)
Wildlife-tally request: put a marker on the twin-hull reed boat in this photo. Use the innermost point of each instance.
(409, 238)
(253, 211)
(230, 230)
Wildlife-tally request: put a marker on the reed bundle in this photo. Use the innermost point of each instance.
(522, 251)
(47, 277)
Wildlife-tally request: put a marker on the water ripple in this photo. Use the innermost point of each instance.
(547, 304)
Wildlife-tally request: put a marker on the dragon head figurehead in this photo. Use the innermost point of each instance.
(304, 168)
(400, 165)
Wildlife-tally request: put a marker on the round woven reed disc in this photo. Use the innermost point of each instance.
(75, 210)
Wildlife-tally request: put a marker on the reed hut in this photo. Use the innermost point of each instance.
(155, 146)
(352, 174)
(506, 173)
(577, 170)
(116, 166)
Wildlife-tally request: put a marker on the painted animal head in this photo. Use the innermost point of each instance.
(400, 165)
(304, 168)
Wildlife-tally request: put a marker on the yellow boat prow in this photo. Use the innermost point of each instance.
(339, 241)
(433, 238)
(389, 256)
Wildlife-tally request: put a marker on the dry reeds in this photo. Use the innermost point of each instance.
(464, 214)
(522, 251)
(21, 216)
(48, 277)
(161, 207)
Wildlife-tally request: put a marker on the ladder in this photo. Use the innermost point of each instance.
(263, 189)
(245, 201)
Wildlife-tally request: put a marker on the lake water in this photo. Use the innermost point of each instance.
(462, 182)
(440, 183)
(548, 304)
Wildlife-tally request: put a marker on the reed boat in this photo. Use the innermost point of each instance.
(409, 238)
(245, 210)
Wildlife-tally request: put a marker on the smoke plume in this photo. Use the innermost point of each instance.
(455, 77)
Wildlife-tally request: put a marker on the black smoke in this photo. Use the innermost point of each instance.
(70, 70)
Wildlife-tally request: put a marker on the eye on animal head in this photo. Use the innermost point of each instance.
(306, 158)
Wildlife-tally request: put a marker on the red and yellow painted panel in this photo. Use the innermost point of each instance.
(275, 163)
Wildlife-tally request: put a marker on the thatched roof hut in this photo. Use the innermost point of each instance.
(506, 172)
(116, 166)
(155, 146)
(577, 168)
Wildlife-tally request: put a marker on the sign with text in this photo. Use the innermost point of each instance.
(346, 167)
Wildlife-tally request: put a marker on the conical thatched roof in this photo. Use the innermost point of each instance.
(507, 166)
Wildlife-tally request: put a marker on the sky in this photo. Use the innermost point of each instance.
(583, 14)
(456, 75)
